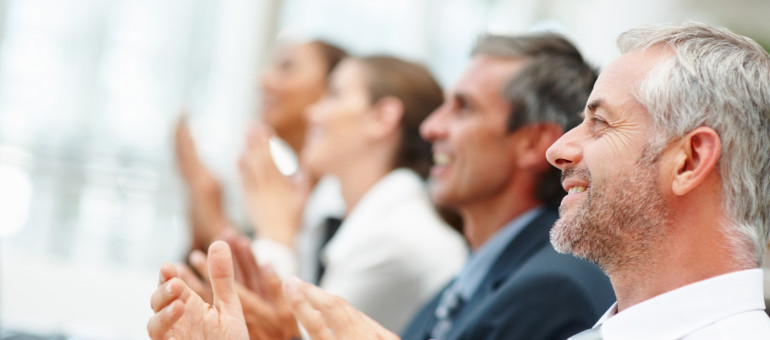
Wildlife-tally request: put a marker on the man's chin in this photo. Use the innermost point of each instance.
(560, 239)
(567, 235)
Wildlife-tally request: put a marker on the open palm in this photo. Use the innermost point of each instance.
(181, 314)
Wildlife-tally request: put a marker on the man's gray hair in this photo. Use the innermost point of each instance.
(552, 86)
(721, 80)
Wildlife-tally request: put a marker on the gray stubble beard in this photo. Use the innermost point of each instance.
(617, 226)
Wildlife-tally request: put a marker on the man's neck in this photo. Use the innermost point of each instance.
(679, 261)
(483, 219)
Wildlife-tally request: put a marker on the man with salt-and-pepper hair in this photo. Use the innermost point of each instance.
(668, 185)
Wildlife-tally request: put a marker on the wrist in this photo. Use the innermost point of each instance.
(283, 236)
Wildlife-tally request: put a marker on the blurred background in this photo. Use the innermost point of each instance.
(90, 198)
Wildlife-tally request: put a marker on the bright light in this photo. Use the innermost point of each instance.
(283, 156)
(15, 195)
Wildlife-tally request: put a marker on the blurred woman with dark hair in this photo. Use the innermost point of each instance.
(393, 251)
(295, 78)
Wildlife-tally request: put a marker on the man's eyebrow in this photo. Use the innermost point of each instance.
(463, 99)
(593, 105)
(590, 107)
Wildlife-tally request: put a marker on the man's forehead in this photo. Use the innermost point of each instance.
(633, 66)
(486, 75)
(491, 67)
(618, 82)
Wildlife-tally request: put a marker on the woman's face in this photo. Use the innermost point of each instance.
(295, 79)
(336, 122)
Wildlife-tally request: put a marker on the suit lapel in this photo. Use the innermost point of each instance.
(423, 322)
(532, 238)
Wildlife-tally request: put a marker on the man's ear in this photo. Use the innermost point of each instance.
(531, 143)
(695, 159)
(386, 117)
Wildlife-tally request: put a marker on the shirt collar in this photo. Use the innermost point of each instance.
(481, 260)
(674, 314)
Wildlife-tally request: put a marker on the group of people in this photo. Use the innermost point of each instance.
(660, 235)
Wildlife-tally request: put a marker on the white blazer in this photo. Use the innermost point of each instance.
(392, 252)
(325, 201)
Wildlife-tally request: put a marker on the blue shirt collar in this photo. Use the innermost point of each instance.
(480, 261)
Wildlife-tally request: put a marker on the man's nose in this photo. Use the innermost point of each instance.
(433, 127)
(566, 150)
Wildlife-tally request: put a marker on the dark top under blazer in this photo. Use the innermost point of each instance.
(531, 292)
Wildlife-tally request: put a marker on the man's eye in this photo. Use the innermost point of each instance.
(598, 124)
(287, 65)
(461, 107)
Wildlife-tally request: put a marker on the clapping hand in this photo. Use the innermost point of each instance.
(325, 316)
(274, 201)
(180, 313)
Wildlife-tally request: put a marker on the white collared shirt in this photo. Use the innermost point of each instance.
(729, 306)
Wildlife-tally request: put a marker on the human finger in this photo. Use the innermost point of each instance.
(271, 285)
(195, 283)
(230, 236)
(311, 319)
(167, 271)
(163, 321)
(166, 293)
(222, 278)
(198, 262)
(344, 321)
(336, 312)
(267, 169)
(247, 262)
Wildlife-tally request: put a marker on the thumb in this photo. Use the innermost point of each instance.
(222, 277)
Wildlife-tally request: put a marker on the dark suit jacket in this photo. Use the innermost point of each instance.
(531, 292)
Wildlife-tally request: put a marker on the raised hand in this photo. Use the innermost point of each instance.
(181, 314)
(199, 285)
(274, 201)
(207, 216)
(248, 272)
(267, 320)
(266, 312)
(325, 316)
